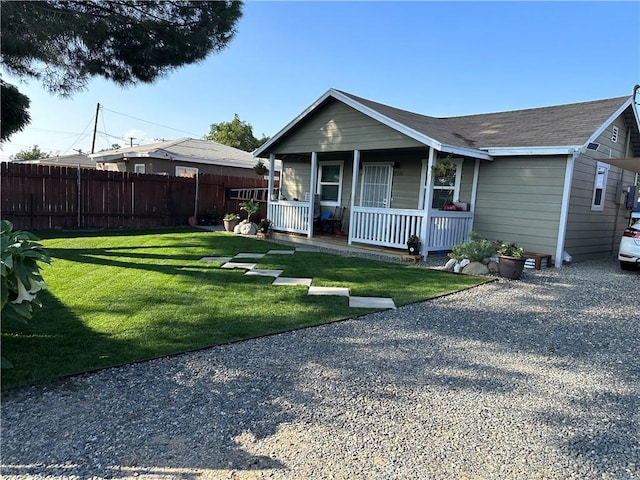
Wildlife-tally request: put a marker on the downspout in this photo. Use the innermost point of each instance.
(354, 186)
(564, 209)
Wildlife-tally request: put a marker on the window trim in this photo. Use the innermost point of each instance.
(137, 165)
(320, 183)
(601, 169)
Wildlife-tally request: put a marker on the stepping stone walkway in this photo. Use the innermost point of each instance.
(355, 302)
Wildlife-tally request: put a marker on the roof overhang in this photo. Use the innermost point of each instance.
(519, 151)
(632, 164)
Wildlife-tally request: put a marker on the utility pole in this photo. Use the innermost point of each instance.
(95, 129)
(131, 139)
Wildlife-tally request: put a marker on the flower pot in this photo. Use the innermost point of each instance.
(511, 267)
(229, 225)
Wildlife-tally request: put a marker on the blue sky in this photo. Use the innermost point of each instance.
(435, 58)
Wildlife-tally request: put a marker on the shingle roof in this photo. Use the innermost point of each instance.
(189, 149)
(560, 125)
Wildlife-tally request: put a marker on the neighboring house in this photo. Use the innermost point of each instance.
(551, 179)
(81, 160)
(182, 157)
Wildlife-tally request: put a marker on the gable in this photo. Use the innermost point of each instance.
(334, 127)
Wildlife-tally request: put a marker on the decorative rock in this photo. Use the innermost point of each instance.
(464, 263)
(246, 228)
(492, 266)
(450, 264)
(475, 268)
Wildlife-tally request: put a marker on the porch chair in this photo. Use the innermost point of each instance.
(336, 220)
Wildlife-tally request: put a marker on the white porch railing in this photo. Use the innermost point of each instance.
(392, 227)
(289, 216)
(384, 226)
(447, 229)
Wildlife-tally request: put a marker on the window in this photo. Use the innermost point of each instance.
(599, 187)
(375, 191)
(446, 185)
(330, 183)
(139, 168)
(186, 172)
(614, 134)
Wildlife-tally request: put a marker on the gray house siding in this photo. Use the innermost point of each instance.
(168, 167)
(592, 234)
(519, 200)
(338, 127)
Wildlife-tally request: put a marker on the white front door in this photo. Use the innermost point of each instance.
(375, 191)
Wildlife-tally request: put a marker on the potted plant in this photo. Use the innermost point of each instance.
(511, 259)
(265, 225)
(413, 245)
(260, 168)
(230, 221)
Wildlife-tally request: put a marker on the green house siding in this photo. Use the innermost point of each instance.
(519, 200)
(592, 234)
(338, 127)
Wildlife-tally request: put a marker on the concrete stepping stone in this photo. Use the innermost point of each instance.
(371, 302)
(338, 291)
(249, 255)
(264, 273)
(281, 252)
(216, 259)
(292, 281)
(307, 249)
(246, 266)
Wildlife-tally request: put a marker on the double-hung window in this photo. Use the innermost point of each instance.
(330, 183)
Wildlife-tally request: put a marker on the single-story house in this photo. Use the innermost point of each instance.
(182, 157)
(552, 179)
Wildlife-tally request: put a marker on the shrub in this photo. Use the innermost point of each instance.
(21, 279)
(476, 249)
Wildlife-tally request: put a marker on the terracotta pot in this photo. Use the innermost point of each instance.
(511, 267)
(229, 225)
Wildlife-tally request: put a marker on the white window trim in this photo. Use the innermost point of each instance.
(456, 187)
(603, 170)
(390, 186)
(137, 166)
(319, 183)
(186, 170)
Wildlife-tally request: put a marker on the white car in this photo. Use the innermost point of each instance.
(629, 253)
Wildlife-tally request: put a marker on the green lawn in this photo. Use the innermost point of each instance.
(119, 297)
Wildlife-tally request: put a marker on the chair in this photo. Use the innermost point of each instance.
(336, 219)
(325, 221)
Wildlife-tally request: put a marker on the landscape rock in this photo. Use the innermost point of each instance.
(450, 264)
(492, 266)
(475, 268)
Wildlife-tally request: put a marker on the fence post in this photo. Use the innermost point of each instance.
(79, 183)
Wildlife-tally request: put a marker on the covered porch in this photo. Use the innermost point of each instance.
(373, 216)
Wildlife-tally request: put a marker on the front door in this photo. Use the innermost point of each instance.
(375, 191)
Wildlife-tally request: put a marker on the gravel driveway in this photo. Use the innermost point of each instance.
(537, 378)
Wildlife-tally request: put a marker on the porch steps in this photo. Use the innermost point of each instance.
(354, 302)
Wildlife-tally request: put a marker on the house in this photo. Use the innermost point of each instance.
(182, 157)
(552, 178)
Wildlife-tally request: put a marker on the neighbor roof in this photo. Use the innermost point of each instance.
(184, 149)
(559, 127)
(73, 160)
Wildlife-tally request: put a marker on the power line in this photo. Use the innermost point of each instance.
(152, 123)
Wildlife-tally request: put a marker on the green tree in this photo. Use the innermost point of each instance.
(64, 44)
(33, 154)
(14, 110)
(236, 133)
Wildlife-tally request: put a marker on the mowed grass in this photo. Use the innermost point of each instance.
(121, 297)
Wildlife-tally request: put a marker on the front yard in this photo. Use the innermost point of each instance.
(126, 296)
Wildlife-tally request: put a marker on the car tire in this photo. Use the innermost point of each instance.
(628, 266)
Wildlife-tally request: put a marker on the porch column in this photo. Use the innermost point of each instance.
(474, 189)
(312, 191)
(428, 199)
(270, 196)
(564, 210)
(354, 186)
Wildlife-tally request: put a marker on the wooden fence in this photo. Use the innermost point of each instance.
(37, 197)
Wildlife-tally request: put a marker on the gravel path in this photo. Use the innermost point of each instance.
(537, 378)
